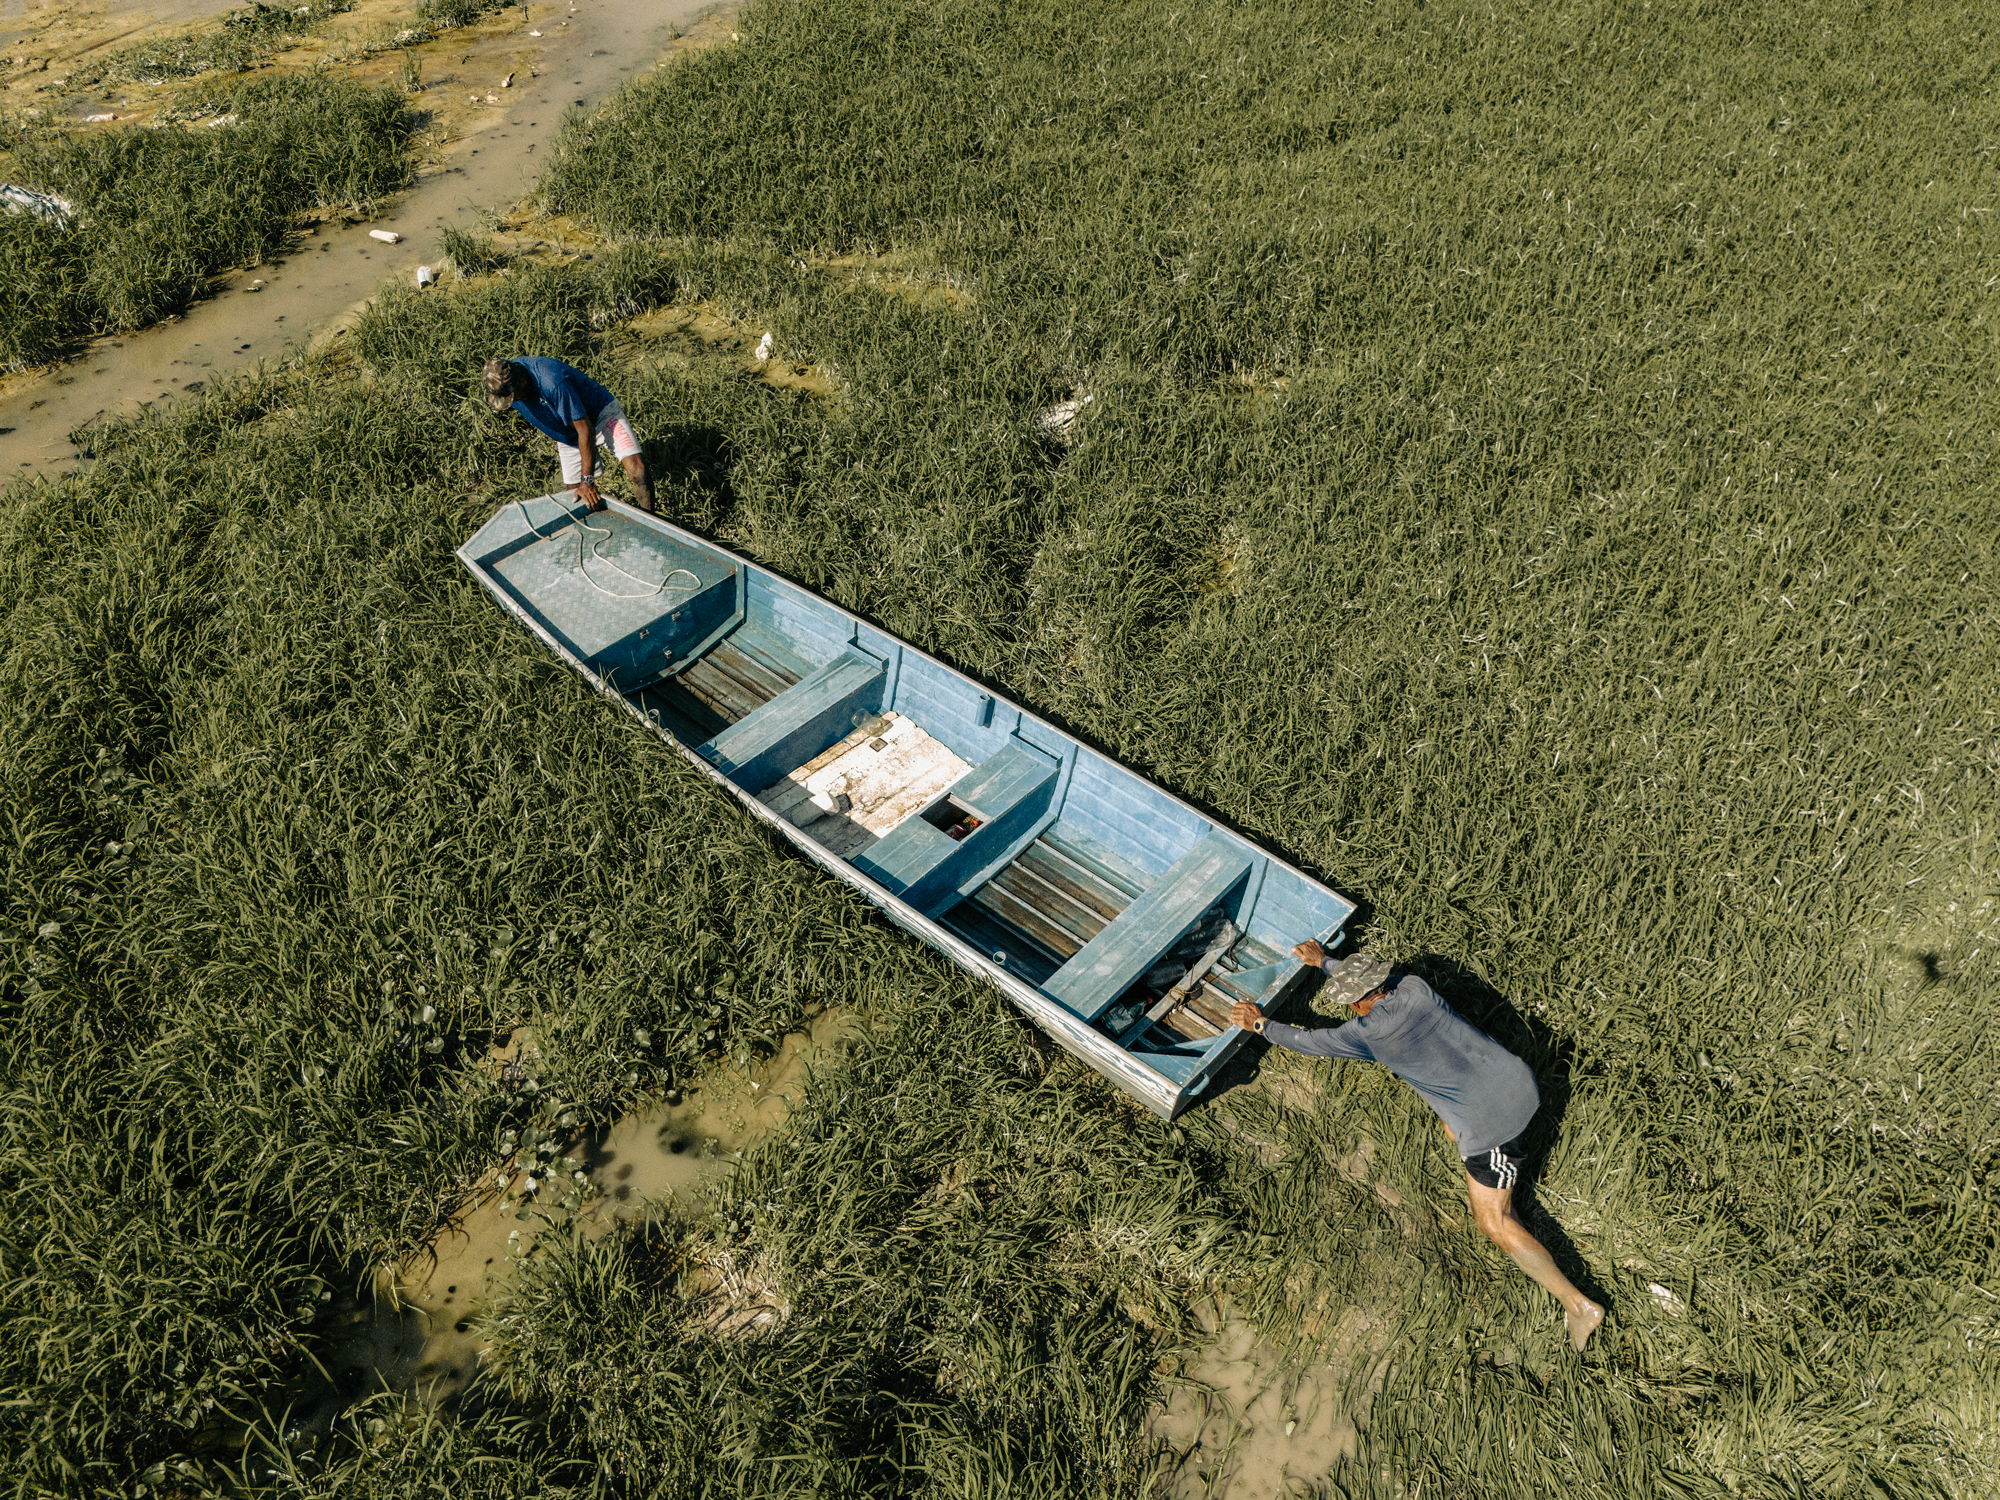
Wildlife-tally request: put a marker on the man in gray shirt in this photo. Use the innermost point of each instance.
(1483, 1093)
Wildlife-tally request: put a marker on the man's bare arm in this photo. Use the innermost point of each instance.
(586, 487)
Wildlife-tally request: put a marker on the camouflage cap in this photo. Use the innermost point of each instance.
(1354, 977)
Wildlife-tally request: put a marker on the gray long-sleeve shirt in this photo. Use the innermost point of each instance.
(1482, 1091)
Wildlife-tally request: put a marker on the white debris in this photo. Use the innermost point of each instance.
(534, 33)
(764, 348)
(386, 236)
(49, 207)
(222, 120)
(425, 276)
(1058, 419)
(507, 82)
(492, 98)
(404, 38)
(255, 286)
(1669, 1303)
(97, 119)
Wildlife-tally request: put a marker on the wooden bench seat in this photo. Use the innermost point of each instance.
(1007, 792)
(1113, 961)
(789, 730)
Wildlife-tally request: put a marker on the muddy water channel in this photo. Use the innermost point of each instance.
(584, 51)
(416, 1333)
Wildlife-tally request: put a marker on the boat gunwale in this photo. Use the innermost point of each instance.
(1155, 1089)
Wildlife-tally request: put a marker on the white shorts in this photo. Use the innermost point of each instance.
(613, 431)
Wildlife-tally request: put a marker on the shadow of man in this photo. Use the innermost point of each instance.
(690, 465)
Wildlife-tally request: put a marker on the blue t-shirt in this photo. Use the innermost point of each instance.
(1482, 1091)
(562, 396)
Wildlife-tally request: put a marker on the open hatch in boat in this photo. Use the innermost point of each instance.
(1122, 921)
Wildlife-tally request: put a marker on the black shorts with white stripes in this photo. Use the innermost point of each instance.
(1500, 1167)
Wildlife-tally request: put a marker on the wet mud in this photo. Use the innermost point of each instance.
(264, 313)
(1240, 1423)
(416, 1333)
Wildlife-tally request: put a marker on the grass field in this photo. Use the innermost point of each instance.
(160, 211)
(1537, 477)
(242, 38)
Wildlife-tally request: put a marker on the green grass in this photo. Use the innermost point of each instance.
(244, 37)
(448, 13)
(470, 254)
(1538, 479)
(160, 212)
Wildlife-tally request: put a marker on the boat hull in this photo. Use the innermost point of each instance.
(1087, 896)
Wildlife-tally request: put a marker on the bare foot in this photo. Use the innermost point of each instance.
(1582, 1323)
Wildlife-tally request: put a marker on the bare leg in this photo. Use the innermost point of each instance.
(642, 482)
(1493, 1212)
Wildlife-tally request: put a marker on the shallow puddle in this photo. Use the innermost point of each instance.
(415, 1334)
(1244, 1425)
(667, 1153)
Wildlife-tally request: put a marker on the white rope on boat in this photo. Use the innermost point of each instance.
(605, 532)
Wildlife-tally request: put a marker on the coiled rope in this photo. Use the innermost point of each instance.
(605, 532)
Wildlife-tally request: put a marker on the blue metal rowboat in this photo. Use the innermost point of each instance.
(1120, 919)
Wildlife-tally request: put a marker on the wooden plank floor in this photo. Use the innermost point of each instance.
(735, 678)
(1053, 898)
(850, 795)
(1057, 895)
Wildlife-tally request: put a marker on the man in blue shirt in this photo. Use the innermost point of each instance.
(579, 414)
(1483, 1093)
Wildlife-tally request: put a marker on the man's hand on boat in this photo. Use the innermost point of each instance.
(1246, 1015)
(586, 491)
